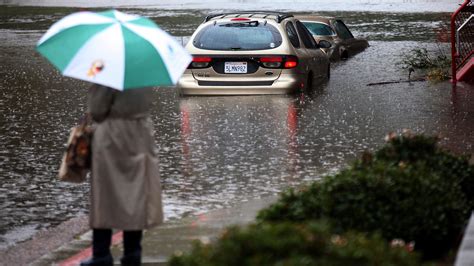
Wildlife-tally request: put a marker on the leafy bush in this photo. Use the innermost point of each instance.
(408, 190)
(420, 58)
(409, 148)
(437, 63)
(293, 245)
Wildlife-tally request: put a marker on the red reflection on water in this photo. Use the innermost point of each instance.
(286, 111)
(185, 133)
(292, 125)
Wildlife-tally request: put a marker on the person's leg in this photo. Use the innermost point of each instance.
(132, 249)
(101, 240)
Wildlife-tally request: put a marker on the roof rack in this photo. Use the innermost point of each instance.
(278, 16)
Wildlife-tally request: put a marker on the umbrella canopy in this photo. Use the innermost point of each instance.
(114, 49)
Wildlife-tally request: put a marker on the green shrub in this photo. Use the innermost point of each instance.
(437, 63)
(408, 190)
(409, 148)
(294, 245)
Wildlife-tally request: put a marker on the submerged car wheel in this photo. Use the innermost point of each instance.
(344, 55)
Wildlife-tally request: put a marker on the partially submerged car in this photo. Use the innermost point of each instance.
(253, 53)
(343, 43)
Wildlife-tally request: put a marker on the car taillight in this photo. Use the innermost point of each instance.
(200, 61)
(281, 61)
(291, 62)
(271, 61)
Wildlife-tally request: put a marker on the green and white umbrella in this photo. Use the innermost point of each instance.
(114, 49)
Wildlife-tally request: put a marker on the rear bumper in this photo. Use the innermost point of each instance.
(285, 84)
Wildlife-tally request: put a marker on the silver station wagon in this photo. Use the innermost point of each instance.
(253, 53)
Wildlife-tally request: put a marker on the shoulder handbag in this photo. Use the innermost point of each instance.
(76, 160)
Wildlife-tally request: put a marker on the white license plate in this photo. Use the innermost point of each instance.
(235, 67)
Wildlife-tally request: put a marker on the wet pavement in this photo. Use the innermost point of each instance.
(47, 242)
(173, 237)
(465, 256)
(216, 152)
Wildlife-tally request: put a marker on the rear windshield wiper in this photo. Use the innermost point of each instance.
(241, 24)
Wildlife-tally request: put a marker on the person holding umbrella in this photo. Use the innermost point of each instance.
(123, 55)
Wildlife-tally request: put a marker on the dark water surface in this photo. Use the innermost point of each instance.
(216, 151)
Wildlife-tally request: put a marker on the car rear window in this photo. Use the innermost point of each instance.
(319, 29)
(250, 35)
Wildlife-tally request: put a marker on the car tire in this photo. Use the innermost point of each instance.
(329, 72)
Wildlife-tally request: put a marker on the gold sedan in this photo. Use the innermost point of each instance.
(343, 43)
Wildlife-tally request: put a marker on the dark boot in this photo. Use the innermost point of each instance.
(101, 240)
(98, 261)
(134, 259)
(132, 249)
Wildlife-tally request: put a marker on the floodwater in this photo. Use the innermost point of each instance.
(216, 151)
(286, 5)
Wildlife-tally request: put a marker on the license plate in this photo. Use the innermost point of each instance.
(235, 67)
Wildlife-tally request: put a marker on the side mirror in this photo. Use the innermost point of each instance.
(324, 44)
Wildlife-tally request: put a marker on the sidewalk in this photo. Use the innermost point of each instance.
(162, 241)
(465, 256)
(177, 236)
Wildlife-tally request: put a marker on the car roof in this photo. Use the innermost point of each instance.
(277, 16)
(326, 20)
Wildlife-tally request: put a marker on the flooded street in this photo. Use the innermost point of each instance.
(217, 151)
(286, 5)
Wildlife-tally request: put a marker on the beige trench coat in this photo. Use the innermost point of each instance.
(125, 183)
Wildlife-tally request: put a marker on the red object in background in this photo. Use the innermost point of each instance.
(466, 73)
(462, 48)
